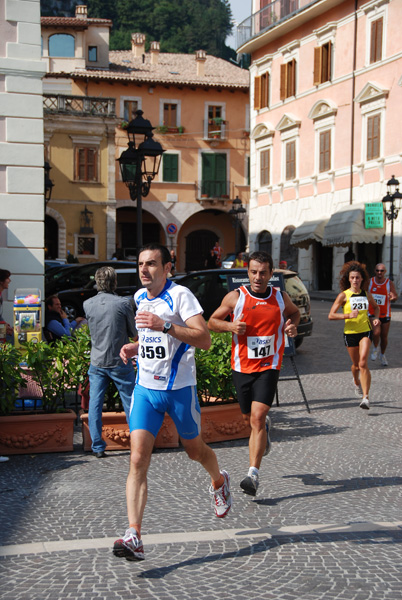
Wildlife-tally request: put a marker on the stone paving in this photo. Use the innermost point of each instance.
(326, 524)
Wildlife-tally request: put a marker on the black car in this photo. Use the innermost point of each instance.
(78, 276)
(210, 287)
(72, 300)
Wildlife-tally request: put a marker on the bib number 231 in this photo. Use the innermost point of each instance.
(260, 346)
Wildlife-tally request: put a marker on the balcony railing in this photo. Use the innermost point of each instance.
(216, 128)
(213, 189)
(79, 105)
(269, 16)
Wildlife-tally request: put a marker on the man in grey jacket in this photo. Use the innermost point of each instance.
(111, 325)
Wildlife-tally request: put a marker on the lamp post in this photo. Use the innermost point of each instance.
(48, 182)
(237, 212)
(139, 164)
(391, 213)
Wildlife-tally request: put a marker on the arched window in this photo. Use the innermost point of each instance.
(264, 242)
(61, 44)
(288, 253)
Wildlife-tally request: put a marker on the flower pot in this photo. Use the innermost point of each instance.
(223, 422)
(28, 433)
(116, 433)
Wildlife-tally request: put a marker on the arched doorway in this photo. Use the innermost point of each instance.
(264, 242)
(288, 252)
(126, 231)
(51, 238)
(198, 245)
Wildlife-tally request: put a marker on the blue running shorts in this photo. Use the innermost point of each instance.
(149, 407)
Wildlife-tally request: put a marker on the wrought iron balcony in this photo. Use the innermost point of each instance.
(216, 129)
(79, 105)
(209, 190)
(271, 15)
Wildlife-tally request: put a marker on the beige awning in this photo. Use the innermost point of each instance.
(307, 233)
(347, 226)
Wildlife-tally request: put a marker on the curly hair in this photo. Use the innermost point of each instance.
(106, 279)
(347, 268)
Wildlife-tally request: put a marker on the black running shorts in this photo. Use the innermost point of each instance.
(255, 387)
(352, 340)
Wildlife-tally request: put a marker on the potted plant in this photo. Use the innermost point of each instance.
(123, 125)
(11, 377)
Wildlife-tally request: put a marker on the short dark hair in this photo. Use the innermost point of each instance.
(164, 252)
(262, 257)
(4, 274)
(106, 279)
(49, 300)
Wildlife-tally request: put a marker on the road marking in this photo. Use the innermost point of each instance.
(201, 536)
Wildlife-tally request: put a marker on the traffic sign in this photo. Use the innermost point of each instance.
(171, 228)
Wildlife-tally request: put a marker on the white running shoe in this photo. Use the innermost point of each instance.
(384, 361)
(221, 498)
(358, 390)
(130, 546)
(374, 353)
(365, 403)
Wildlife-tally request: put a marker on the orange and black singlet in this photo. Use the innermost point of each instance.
(261, 347)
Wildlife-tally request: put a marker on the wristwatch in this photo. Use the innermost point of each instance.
(166, 327)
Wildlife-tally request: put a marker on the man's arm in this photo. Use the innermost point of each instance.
(292, 316)
(217, 320)
(58, 328)
(195, 333)
(392, 291)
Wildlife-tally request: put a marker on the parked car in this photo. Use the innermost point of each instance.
(211, 286)
(77, 276)
(227, 260)
(53, 264)
(72, 300)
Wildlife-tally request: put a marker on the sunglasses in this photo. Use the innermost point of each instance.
(380, 270)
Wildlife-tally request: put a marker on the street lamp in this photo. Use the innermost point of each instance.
(48, 182)
(237, 212)
(391, 213)
(139, 164)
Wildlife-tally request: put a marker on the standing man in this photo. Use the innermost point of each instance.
(170, 324)
(383, 292)
(258, 312)
(111, 325)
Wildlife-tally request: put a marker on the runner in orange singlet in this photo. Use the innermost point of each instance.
(384, 292)
(260, 316)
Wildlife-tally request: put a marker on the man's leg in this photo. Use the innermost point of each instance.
(384, 341)
(98, 382)
(142, 443)
(124, 379)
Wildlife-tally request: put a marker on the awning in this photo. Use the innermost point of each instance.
(307, 233)
(347, 226)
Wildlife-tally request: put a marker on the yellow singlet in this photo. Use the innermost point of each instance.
(359, 301)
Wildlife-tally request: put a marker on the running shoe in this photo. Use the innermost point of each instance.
(249, 485)
(374, 353)
(130, 546)
(221, 498)
(358, 390)
(267, 428)
(384, 361)
(365, 403)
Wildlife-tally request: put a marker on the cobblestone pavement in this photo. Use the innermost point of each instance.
(326, 524)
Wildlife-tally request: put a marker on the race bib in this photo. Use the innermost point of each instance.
(153, 345)
(260, 346)
(359, 303)
(379, 299)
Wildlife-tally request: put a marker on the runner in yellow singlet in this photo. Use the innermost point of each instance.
(358, 334)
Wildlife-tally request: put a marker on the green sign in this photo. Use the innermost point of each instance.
(373, 215)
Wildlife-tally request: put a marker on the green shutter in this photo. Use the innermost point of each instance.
(170, 167)
(214, 174)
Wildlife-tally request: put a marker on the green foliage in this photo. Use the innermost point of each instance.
(11, 377)
(179, 25)
(214, 373)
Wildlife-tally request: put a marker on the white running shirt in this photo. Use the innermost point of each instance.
(165, 363)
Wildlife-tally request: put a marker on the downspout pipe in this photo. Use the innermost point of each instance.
(352, 125)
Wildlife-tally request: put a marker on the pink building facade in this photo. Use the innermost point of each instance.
(326, 93)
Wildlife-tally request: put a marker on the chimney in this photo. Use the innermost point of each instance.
(200, 57)
(155, 49)
(81, 11)
(138, 44)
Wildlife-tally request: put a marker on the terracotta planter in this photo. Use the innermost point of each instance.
(223, 422)
(25, 433)
(116, 433)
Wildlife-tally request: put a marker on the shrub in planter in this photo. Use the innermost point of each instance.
(214, 373)
(11, 377)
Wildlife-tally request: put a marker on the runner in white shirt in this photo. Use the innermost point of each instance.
(170, 324)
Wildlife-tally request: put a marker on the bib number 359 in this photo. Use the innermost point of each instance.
(153, 352)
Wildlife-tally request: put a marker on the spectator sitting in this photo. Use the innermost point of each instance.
(56, 321)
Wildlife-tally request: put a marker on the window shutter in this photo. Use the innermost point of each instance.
(265, 90)
(283, 86)
(170, 167)
(257, 93)
(292, 78)
(376, 40)
(329, 54)
(317, 65)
